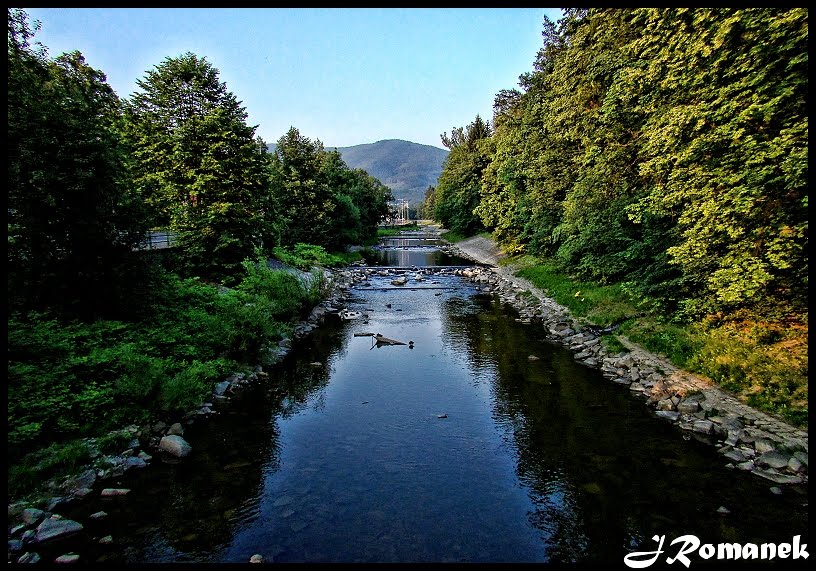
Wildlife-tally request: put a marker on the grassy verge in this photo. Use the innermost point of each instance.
(762, 362)
(393, 231)
(453, 237)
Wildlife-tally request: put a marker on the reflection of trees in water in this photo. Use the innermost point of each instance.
(603, 475)
(547, 408)
(413, 257)
(198, 503)
(190, 509)
(299, 379)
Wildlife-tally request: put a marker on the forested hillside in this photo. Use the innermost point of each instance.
(407, 168)
(662, 152)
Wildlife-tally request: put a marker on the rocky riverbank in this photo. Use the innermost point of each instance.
(746, 438)
(38, 532)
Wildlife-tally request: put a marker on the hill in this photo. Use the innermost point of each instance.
(406, 168)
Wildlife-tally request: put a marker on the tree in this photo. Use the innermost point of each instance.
(725, 152)
(199, 166)
(458, 191)
(428, 205)
(300, 184)
(73, 218)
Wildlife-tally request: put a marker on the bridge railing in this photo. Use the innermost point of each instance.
(160, 239)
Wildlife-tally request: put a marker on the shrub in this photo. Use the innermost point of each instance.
(306, 256)
(187, 388)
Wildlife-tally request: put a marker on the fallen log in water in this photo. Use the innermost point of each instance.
(381, 340)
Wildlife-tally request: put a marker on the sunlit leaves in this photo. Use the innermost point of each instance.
(199, 166)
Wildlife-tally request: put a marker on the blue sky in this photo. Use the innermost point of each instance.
(345, 76)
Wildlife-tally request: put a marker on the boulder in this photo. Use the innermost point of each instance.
(175, 429)
(175, 445)
(32, 516)
(114, 492)
(56, 528)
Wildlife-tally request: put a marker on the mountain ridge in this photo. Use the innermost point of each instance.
(407, 168)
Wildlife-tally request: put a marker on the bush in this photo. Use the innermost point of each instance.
(306, 256)
(251, 324)
(188, 388)
(766, 365)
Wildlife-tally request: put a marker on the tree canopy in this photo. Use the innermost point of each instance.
(661, 148)
(73, 219)
(198, 165)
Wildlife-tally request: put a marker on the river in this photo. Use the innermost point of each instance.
(454, 447)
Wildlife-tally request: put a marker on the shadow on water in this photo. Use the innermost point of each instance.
(189, 510)
(456, 448)
(603, 474)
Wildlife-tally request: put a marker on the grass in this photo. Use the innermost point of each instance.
(59, 460)
(599, 304)
(385, 232)
(762, 362)
(453, 237)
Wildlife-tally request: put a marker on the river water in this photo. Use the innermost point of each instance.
(453, 448)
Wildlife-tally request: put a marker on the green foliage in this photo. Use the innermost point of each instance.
(568, 292)
(457, 194)
(54, 461)
(427, 208)
(322, 201)
(69, 379)
(662, 152)
(303, 193)
(452, 236)
(73, 218)
(613, 344)
(764, 363)
(306, 256)
(187, 388)
(199, 166)
(664, 148)
(113, 442)
(677, 343)
(724, 151)
(395, 231)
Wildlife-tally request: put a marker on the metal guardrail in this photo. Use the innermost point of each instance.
(158, 240)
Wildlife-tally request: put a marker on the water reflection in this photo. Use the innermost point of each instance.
(190, 510)
(458, 448)
(407, 257)
(412, 249)
(605, 476)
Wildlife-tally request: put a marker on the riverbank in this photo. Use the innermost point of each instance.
(38, 530)
(747, 439)
(757, 445)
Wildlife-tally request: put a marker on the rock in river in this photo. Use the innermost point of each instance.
(175, 445)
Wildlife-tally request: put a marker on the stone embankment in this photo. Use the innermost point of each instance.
(748, 439)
